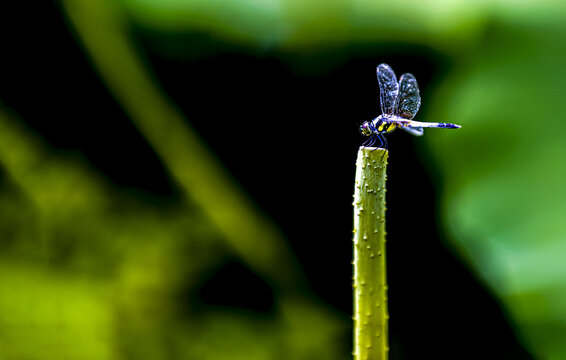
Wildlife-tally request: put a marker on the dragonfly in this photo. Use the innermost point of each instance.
(400, 102)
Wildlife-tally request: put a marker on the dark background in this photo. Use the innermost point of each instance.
(286, 129)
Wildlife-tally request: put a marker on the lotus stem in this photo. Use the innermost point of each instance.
(370, 280)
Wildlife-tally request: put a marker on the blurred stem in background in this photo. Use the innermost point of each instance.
(101, 28)
(115, 279)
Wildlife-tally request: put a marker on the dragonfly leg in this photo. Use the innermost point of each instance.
(369, 142)
(373, 139)
(377, 137)
(383, 141)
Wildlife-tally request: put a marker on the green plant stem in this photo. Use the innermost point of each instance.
(370, 280)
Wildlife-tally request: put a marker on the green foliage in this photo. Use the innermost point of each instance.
(91, 272)
(504, 194)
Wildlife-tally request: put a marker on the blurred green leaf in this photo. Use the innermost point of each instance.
(505, 198)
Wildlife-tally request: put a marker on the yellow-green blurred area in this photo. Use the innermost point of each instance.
(176, 178)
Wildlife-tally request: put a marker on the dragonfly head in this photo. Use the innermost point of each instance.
(367, 128)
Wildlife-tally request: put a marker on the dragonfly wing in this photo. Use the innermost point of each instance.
(417, 131)
(388, 88)
(409, 99)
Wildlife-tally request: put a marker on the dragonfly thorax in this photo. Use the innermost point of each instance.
(380, 125)
(384, 124)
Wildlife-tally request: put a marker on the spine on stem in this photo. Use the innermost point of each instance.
(370, 280)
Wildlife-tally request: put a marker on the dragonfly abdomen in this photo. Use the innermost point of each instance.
(448, 126)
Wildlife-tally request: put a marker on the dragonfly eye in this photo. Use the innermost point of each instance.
(366, 129)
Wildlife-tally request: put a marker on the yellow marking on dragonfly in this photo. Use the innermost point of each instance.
(387, 127)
